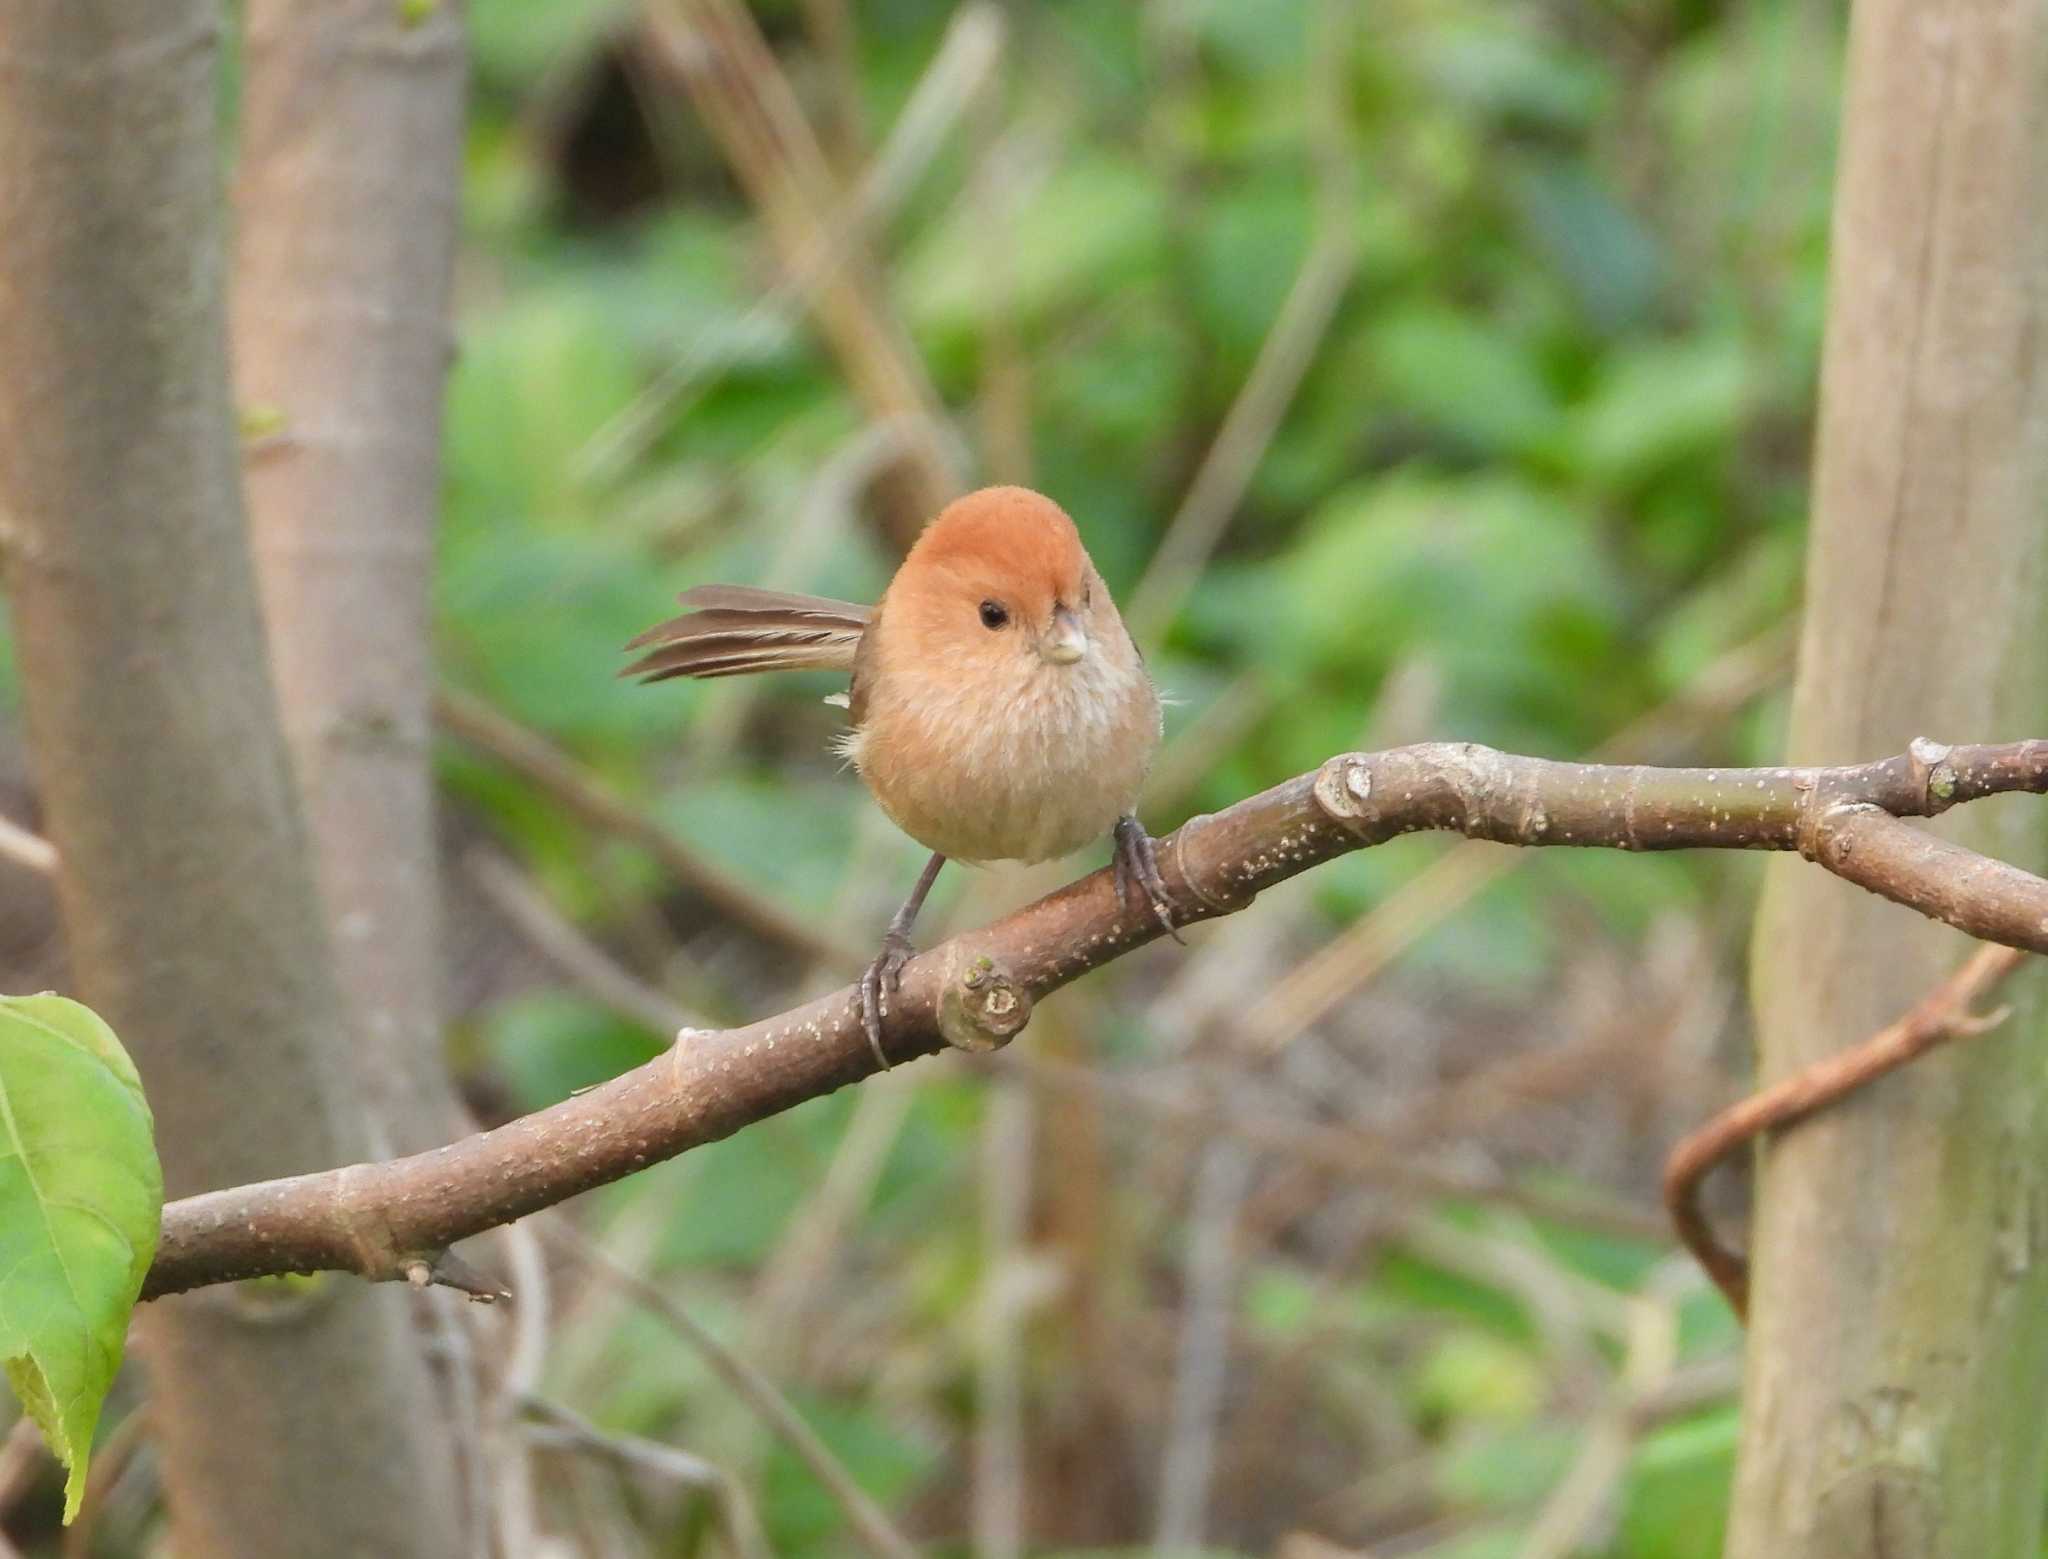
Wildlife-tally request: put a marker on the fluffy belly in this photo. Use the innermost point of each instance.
(1037, 784)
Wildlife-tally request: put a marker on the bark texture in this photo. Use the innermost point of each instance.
(1899, 1341)
(188, 897)
(345, 220)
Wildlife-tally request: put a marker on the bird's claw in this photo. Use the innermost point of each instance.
(1137, 872)
(877, 985)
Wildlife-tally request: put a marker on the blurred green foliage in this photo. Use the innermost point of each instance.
(1545, 468)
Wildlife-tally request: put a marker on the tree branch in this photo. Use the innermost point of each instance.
(1939, 1017)
(975, 991)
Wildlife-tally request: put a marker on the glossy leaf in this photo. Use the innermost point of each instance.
(80, 1197)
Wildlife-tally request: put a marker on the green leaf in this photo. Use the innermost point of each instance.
(80, 1198)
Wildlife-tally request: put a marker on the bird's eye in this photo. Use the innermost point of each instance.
(993, 614)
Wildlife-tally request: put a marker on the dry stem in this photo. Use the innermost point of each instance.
(1942, 1015)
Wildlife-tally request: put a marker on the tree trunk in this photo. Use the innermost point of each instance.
(1899, 1337)
(294, 1420)
(345, 224)
(348, 190)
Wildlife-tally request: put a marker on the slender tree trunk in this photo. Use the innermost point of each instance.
(293, 1421)
(348, 190)
(1899, 1337)
(345, 221)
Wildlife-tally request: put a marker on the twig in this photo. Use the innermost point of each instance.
(1567, 1309)
(450, 1350)
(561, 1428)
(1687, 1390)
(586, 964)
(830, 24)
(1564, 1525)
(28, 849)
(797, 1274)
(870, 1525)
(716, 49)
(445, 1269)
(1204, 1350)
(1942, 1015)
(1004, 412)
(540, 763)
(1226, 471)
(976, 990)
(965, 57)
(523, 1359)
(1000, 1468)
(1284, 357)
(1363, 950)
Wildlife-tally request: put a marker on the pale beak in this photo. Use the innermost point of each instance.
(1067, 640)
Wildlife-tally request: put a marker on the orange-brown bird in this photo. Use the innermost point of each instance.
(1000, 710)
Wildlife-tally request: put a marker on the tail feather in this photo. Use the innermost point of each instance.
(734, 630)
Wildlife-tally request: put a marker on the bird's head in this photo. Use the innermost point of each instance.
(999, 584)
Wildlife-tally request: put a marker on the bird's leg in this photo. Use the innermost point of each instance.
(879, 983)
(1137, 872)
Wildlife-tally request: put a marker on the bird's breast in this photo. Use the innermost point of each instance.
(1028, 770)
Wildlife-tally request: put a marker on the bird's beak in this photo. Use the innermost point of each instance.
(1066, 641)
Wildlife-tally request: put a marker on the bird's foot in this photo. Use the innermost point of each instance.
(1137, 874)
(877, 985)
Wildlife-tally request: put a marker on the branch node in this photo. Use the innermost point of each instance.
(1820, 840)
(1220, 902)
(982, 1006)
(1933, 775)
(448, 1270)
(1343, 789)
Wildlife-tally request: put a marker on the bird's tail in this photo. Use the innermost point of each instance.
(732, 630)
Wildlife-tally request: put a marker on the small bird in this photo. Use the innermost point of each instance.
(1000, 710)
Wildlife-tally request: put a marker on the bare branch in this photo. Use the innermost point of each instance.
(541, 763)
(977, 990)
(1988, 899)
(1942, 1015)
